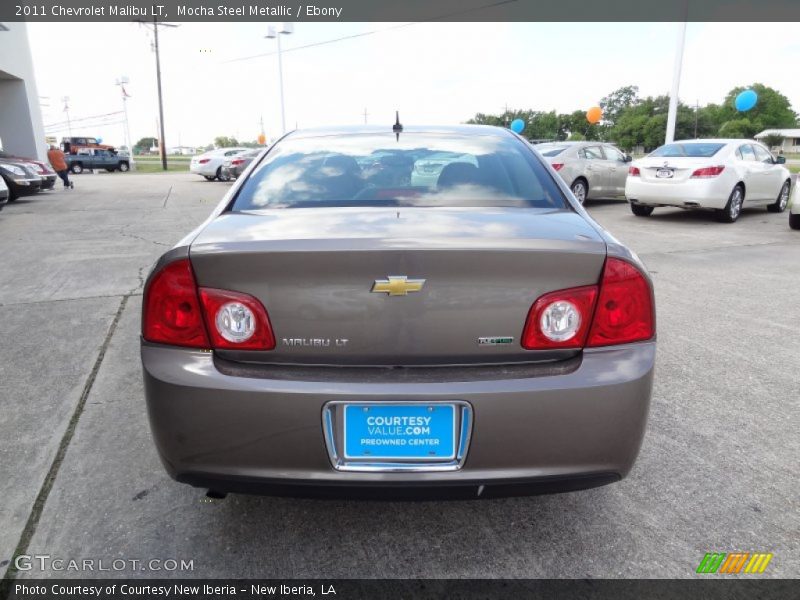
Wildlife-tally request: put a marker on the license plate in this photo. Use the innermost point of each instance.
(400, 431)
(665, 173)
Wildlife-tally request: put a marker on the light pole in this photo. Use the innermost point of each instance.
(286, 29)
(676, 81)
(121, 81)
(65, 100)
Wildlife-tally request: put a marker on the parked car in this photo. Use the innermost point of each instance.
(3, 193)
(720, 174)
(211, 165)
(236, 164)
(592, 170)
(333, 328)
(73, 145)
(20, 179)
(794, 212)
(97, 158)
(42, 169)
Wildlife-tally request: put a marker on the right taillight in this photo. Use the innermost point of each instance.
(617, 311)
(708, 172)
(624, 310)
(634, 171)
(203, 161)
(178, 313)
(172, 312)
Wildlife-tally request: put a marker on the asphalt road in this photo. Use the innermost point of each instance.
(718, 470)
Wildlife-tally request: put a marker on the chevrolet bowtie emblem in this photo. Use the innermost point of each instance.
(397, 285)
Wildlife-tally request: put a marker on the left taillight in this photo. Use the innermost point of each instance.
(557, 166)
(617, 311)
(172, 313)
(178, 313)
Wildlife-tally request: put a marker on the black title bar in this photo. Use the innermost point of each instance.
(709, 588)
(401, 10)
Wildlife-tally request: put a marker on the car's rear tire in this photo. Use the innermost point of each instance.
(123, 167)
(733, 208)
(580, 189)
(641, 210)
(76, 168)
(783, 198)
(794, 221)
(223, 174)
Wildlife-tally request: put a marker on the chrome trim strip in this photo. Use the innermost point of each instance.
(331, 419)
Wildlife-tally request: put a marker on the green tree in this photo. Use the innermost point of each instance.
(772, 139)
(224, 141)
(772, 111)
(617, 102)
(144, 145)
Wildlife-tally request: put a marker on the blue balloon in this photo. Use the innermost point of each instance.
(517, 125)
(746, 100)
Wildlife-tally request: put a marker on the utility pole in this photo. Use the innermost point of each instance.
(696, 111)
(366, 114)
(161, 144)
(505, 116)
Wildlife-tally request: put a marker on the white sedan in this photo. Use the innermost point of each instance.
(723, 175)
(210, 164)
(794, 213)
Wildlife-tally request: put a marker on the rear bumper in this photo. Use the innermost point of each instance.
(694, 193)
(553, 431)
(206, 170)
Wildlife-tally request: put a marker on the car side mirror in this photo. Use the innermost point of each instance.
(628, 158)
(781, 160)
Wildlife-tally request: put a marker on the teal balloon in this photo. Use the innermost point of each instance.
(517, 125)
(746, 100)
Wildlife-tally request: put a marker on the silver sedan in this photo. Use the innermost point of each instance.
(592, 170)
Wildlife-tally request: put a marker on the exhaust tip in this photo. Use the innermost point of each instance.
(216, 495)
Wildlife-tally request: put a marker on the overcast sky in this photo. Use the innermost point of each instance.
(431, 72)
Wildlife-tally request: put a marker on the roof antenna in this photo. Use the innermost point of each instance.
(397, 128)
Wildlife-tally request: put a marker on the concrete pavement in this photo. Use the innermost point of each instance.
(718, 469)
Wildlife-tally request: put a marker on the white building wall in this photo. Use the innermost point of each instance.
(21, 127)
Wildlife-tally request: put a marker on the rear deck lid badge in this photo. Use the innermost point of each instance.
(397, 285)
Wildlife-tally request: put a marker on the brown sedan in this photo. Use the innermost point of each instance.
(404, 312)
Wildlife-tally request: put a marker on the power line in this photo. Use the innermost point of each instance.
(374, 31)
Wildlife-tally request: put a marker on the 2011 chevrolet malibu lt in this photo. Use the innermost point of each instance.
(342, 325)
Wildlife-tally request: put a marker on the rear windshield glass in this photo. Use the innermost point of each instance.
(698, 150)
(416, 170)
(548, 150)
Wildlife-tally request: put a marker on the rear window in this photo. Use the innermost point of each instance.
(695, 150)
(414, 170)
(550, 151)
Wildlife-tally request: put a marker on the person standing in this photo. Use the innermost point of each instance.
(59, 164)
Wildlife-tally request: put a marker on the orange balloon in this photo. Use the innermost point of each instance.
(594, 114)
(262, 139)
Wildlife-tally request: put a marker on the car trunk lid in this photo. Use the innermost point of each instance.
(315, 271)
